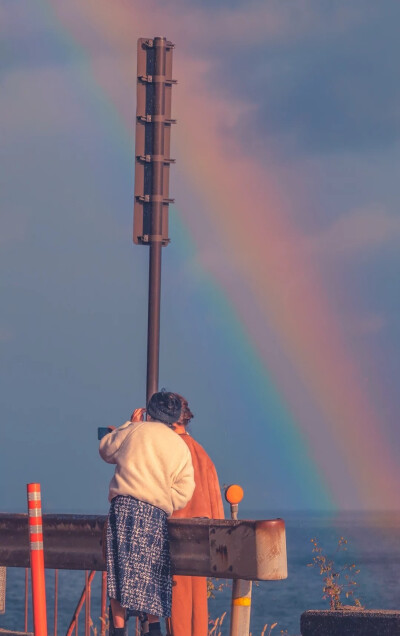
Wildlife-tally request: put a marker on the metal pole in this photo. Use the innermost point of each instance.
(87, 604)
(74, 621)
(3, 578)
(103, 602)
(241, 589)
(26, 599)
(241, 607)
(155, 238)
(37, 560)
(55, 601)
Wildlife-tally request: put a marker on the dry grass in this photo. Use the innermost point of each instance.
(337, 580)
(215, 625)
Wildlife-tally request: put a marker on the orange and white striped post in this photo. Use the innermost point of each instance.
(37, 560)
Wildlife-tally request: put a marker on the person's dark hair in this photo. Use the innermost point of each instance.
(164, 407)
(186, 414)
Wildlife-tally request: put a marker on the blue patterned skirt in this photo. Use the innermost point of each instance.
(138, 559)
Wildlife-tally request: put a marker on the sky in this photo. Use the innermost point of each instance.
(280, 300)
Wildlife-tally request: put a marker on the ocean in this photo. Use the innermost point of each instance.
(373, 545)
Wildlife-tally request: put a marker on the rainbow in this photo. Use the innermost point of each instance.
(270, 288)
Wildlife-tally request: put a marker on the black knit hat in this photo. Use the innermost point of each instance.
(164, 407)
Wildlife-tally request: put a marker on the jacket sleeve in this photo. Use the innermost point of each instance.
(183, 485)
(112, 442)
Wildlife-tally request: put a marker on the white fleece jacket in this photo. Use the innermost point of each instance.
(153, 464)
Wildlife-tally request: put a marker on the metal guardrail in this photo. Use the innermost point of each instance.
(245, 549)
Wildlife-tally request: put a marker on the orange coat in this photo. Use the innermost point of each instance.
(189, 594)
(206, 500)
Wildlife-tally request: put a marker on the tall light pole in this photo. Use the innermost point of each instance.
(153, 133)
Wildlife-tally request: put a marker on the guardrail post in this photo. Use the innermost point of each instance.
(241, 589)
(103, 603)
(26, 599)
(3, 576)
(37, 560)
(55, 602)
(87, 603)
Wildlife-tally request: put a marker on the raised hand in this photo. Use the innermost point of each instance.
(137, 415)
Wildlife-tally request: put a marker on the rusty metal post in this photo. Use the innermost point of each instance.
(87, 604)
(26, 599)
(103, 603)
(241, 589)
(3, 578)
(55, 601)
(86, 590)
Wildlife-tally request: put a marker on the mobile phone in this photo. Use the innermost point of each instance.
(101, 431)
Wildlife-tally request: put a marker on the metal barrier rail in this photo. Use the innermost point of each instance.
(252, 550)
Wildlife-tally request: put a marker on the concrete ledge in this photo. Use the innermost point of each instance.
(357, 622)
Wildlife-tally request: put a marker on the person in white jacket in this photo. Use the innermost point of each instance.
(153, 477)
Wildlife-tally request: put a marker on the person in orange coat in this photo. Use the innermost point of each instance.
(189, 616)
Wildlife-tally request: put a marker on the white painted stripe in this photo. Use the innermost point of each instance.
(33, 496)
(35, 512)
(35, 529)
(36, 545)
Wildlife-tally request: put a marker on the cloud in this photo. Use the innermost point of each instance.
(6, 334)
(359, 230)
(324, 78)
(336, 96)
(53, 103)
(357, 323)
(13, 225)
(371, 324)
(244, 25)
(29, 40)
